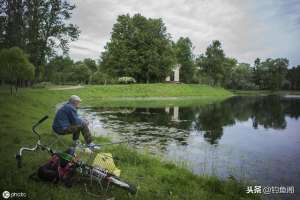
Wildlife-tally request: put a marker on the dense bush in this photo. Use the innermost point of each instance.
(102, 78)
(80, 73)
(15, 67)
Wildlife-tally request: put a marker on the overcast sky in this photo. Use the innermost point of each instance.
(247, 28)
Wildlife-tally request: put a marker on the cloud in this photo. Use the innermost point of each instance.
(247, 29)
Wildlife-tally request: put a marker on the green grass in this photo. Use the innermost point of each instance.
(154, 90)
(116, 95)
(156, 179)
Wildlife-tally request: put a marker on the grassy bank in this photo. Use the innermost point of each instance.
(156, 179)
(151, 94)
(153, 90)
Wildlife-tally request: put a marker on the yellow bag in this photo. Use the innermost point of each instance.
(105, 161)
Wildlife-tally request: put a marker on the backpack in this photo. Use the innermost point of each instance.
(58, 168)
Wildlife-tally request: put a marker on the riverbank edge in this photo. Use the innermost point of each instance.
(264, 92)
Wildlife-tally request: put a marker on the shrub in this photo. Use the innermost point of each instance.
(102, 78)
(126, 80)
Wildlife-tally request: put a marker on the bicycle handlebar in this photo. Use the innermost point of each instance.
(36, 147)
(38, 123)
(43, 119)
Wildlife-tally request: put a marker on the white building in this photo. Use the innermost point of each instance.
(175, 74)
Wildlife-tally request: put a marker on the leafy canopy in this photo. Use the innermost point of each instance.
(14, 65)
(139, 47)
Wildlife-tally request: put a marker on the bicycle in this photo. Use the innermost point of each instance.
(101, 175)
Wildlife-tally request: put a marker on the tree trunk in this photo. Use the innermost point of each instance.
(16, 85)
(147, 75)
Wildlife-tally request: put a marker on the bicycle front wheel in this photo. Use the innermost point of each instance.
(122, 184)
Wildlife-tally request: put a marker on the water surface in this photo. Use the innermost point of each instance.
(251, 138)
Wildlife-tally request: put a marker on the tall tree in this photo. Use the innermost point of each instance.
(293, 76)
(260, 74)
(12, 26)
(228, 66)
(212, 63)
(215, 59)
(270, 74)
(59, 69)
(278, 71)
(80, 73)
(184, 57)
(140, 48)
(40, 27)
(242, 77)
(91, 64)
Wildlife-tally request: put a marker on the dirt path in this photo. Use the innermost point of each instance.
(67, 87)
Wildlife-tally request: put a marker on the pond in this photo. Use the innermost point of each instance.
(253, 138)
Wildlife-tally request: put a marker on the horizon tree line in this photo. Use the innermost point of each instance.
(139, 47)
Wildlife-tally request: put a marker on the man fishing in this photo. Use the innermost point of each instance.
(67, 121)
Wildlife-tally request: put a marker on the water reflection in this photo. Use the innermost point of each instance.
(268, 112)
(162, 125)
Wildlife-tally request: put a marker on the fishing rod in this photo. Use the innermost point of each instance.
(112, 143)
